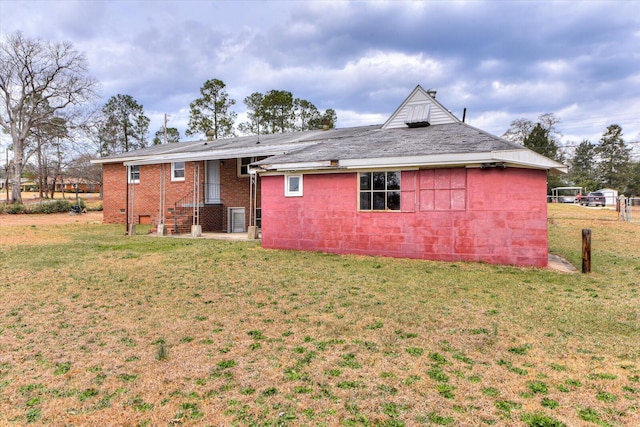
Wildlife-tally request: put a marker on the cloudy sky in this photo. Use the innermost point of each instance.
(502, 60)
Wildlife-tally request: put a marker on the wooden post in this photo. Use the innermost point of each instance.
(586, 250)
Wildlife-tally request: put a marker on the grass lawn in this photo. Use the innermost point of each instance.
(97, 328)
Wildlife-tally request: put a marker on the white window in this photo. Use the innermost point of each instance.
(293, 185)
(134, 174)
(177, 171)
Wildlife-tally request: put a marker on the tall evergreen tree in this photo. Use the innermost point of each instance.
(614, 158)
(308, 116)
(124, 127)
(279, 111)
(582, 167)
(255, 113)
(540, 141)
(212, 111)
(633, 185)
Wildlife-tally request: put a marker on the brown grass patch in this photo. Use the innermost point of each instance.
(264, 337)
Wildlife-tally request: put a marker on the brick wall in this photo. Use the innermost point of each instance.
(144, 197)
(234, 189)
(495, 216)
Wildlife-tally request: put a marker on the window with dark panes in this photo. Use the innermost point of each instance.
(379, 191)
(243, 165)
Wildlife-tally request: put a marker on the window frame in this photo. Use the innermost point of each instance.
(174, 169)
(133, 170)
(240, 166)
(288, 192)
(387, 191)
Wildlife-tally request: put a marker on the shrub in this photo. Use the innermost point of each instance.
(15, 208)
(54, 206)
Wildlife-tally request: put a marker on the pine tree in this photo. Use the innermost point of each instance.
(211, 112)
(614, 158)
(582, 170)
(125, 126)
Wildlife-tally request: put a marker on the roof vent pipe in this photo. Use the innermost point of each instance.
(432, 93)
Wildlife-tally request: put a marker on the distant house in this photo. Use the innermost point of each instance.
(422, 185)
(73, 184)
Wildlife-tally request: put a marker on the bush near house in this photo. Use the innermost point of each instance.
(48, 207)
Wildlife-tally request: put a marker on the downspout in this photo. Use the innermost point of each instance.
(132, 232)
(126, 208)
(161, 213)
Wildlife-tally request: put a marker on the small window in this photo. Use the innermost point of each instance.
(177, 171)
(379, 191)
(293, 185)
(134, 174)
(243, 165)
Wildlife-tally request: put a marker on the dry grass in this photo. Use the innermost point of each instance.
(101, 329)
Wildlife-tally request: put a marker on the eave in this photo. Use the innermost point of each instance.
(509, 158)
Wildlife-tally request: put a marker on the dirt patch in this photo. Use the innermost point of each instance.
(7, 220)
(38, 229)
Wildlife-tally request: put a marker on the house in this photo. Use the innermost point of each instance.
(422, 185)
(73, 184)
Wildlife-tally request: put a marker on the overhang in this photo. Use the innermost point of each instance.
(227, 153)
(508, 158)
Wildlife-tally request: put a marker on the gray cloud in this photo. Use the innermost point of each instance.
(500, 60)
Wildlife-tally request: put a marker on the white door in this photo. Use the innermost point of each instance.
(212, 190)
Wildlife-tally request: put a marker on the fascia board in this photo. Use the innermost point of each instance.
(432, 160)
(116, 160)
(529, 158)
(523, 158)
(295, 166)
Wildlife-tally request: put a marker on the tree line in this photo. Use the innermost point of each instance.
(606, 163)
(125, 127)
(47, 107)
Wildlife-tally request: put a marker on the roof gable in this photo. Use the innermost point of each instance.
(419, 109)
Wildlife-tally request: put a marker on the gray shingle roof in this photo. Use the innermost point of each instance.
(240, 143)
(374, 142)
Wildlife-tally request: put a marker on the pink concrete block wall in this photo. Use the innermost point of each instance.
(495, 216)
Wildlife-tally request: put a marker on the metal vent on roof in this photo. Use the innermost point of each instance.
(418, 115)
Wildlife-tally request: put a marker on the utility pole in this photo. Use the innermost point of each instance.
(165, 128)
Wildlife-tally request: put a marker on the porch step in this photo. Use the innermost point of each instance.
(180, 222)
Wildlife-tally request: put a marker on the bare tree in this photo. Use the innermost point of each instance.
(39, 81)
(520, 129)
